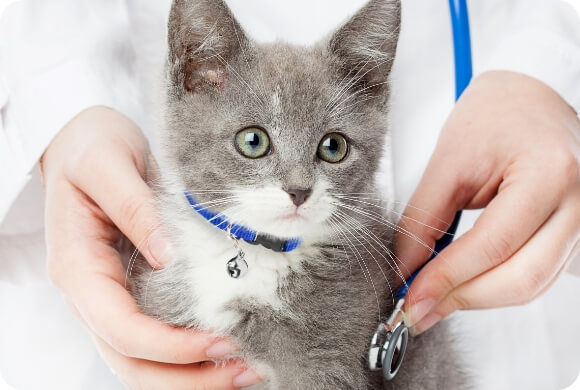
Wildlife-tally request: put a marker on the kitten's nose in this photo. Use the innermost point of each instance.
(298, 196)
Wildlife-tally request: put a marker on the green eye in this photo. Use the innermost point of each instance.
(252, 142)
(333, 148)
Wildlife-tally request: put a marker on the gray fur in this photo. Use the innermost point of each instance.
(334, 300)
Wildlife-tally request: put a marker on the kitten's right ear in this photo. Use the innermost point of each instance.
(203, 37)
(365, 46)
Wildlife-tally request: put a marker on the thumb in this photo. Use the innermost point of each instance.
(117, 186)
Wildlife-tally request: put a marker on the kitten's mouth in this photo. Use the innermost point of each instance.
(294, 216)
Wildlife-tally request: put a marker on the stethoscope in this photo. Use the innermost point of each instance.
(389, 343)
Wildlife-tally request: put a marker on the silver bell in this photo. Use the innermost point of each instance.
(237, 266)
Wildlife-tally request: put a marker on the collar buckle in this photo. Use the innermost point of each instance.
(269, 242)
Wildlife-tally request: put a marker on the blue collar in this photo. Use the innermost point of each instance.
(238, 231)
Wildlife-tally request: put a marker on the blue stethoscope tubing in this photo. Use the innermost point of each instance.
(393, 335)
(463, 75)
(461, 45)
(389, 342)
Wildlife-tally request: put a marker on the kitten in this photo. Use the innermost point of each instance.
(284, 140)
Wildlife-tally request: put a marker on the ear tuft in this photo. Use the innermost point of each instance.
(365, 46)
(203, 37)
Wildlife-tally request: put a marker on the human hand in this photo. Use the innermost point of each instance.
(511, 145)
(94, 174)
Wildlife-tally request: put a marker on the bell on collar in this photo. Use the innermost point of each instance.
(237, 266)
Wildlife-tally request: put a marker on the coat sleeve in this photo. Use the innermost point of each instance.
(56, 58)
(539, 38)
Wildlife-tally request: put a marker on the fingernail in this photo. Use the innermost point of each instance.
(219, 350)
(420, 310)
(426, 323)
(160, 248)
(247, 378)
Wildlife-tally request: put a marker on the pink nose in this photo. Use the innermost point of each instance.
(298, 196)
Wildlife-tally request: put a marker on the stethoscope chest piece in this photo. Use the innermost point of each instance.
(389, 343)
(394, 351)
(388, 349)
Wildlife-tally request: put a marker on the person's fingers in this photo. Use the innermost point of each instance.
(107, 157)
(144, 374)
(451, 182)
(133, 334)
(506, 224)
(242, 376)
(117, 185)
(97, 289)
(78, 247)
(428, 215)
(524, 277)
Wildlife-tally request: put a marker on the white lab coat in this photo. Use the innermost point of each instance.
(59, 57)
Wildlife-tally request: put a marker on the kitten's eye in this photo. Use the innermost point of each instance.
(333, 148)
(252, 142)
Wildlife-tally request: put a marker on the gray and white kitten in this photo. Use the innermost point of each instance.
(284, 140)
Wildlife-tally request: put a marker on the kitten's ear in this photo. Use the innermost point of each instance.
(203, 38)
(365, 46)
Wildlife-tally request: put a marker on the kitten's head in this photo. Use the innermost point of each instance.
(272, 135)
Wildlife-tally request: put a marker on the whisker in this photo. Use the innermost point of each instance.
(392, 211)
(335, 227)
(134, 255)
(378, 242)
(366, 267)
(386, 223)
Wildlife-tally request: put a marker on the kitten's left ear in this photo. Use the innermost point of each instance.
(203, 37)
(365, 46)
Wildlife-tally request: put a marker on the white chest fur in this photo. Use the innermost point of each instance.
(208, 249)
